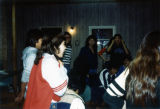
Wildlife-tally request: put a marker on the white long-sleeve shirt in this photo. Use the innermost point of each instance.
(55, 74)
(28, 57)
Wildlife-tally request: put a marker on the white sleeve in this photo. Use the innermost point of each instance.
(102, 78)
(77, 104)
(56, 76)
(28, 64)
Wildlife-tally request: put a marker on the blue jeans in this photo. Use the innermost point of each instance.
(60, 105)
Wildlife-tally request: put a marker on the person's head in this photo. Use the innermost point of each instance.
(52, 45)
(117, 38)
(127, 60)
(34, 38)
(91, 41)
(112, 67)
(75, 83)
(144, 71)
(68, 37)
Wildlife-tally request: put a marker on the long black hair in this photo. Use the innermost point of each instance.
(50, 45)
(95, 39)
(144, 73)
(33, 35)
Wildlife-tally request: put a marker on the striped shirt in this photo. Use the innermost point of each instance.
(67, 55)
(117, 87)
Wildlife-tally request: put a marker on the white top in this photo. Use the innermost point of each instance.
(29, 55)
(74, 99)
(77, 104)
(102, 78)
(55, 74)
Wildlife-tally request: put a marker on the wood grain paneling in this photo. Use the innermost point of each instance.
(132, 19)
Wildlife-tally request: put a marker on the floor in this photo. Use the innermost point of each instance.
(7, 100)
(7, 95)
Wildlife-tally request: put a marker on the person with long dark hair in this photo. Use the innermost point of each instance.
(140, 82)
(33, 43)
(88, 62)
(48, 80)
(116, 49)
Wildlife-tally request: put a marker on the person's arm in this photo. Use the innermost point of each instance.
(29, 61)
(20, 96)
(103, 58)
(125, 48)
(110, 46)
(100, 53)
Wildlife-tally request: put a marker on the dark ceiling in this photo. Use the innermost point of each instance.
(70, 1)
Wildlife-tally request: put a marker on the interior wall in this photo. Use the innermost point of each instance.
(5, 36)
(132, 20)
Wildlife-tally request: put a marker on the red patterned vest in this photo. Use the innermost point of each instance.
(39, 93)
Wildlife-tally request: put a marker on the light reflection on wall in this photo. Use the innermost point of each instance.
(71, 30)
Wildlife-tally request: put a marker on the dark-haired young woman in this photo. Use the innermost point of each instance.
(117, 50)
(33, 43)
(48, 79)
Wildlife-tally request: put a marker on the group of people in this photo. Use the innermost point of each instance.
(44, 78)
(50, 82)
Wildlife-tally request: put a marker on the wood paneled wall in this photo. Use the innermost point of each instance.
(5, 35)
(132, 20)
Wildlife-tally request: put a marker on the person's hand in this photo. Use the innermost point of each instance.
(122, 41)
(19, 98)
(113, 41)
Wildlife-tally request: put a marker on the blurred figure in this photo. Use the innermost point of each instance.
(117, 50)
(140, 82)
(108, 74)
(67, 56)
(48, 80)
(89, 59)
(72, 94)
(33, 43)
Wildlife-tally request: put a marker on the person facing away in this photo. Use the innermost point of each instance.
(140, 82)
(67, 56)
(48, 80)
(33, 43)
(71, 98)
(108, 74)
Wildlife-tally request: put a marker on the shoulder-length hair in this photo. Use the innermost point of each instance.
(143, 72)
(50, 45)
(95, 39)
(33, 35)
